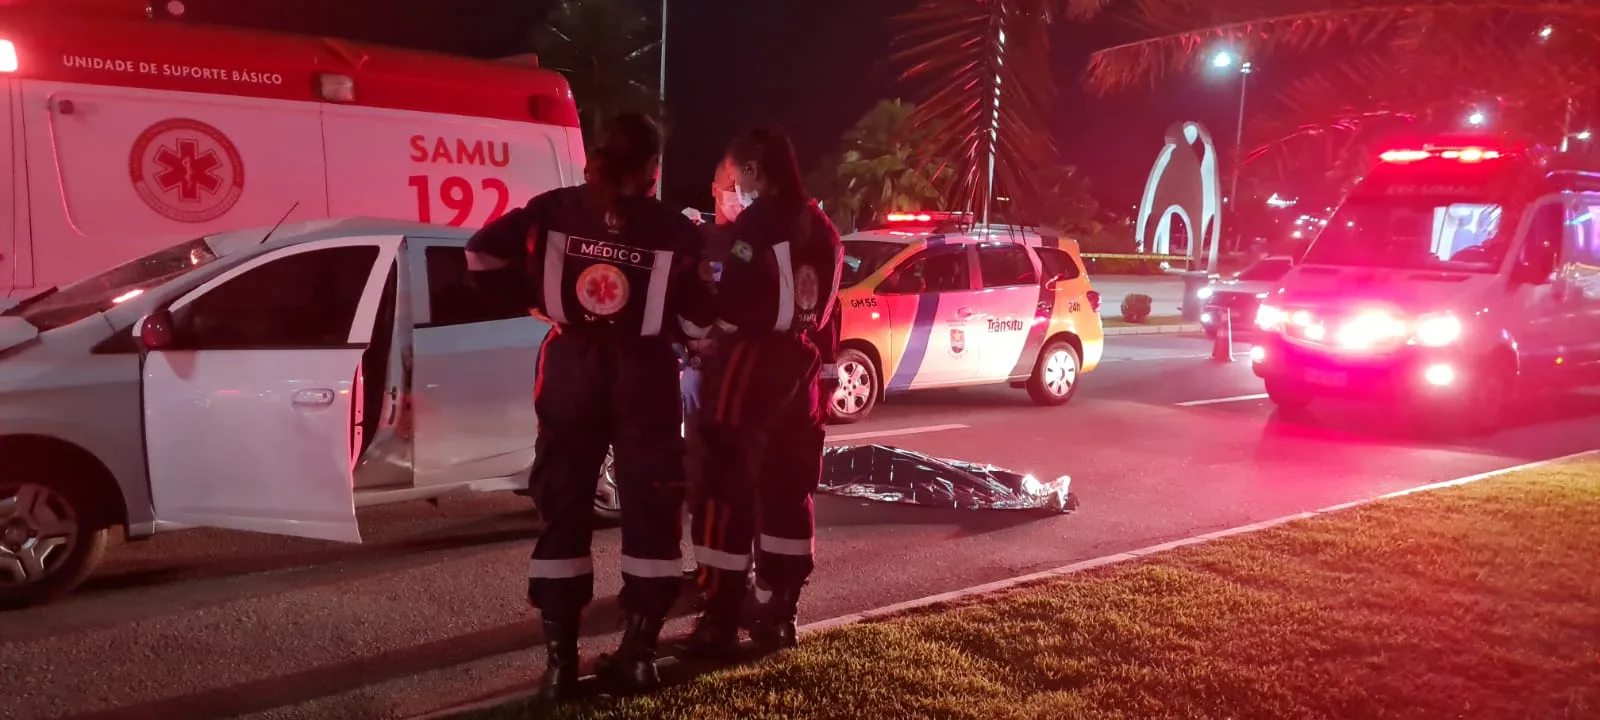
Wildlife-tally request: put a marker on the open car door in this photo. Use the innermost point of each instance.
(248, 406)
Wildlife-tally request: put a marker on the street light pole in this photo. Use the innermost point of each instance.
(1238, 159)
(661, 90)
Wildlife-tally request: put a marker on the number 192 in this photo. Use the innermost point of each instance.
(457, 195)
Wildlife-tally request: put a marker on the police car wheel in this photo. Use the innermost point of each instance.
(1287, 396)
(857, 393)
(1055, 376)
(607, 501)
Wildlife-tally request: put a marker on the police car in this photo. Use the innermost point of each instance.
(267, 386)
(1457, 273)
(1236, 299)
(931, 301)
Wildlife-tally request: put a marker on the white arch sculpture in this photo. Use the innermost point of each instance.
(1184, 183)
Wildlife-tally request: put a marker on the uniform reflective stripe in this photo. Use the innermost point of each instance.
(555, 258)
(546, 569)
(477, 261)
(786, 546)
(763, 595)
(651, 567)
(833, 289)
(785, 287)
(655, 301)
(721, 560)
(692, 330)
(727, 327)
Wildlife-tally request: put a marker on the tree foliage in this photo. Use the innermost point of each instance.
(876, 170)
(986, 91)
(607, 49)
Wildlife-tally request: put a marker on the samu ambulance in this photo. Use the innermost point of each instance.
(933, 301)
(122, 137)
(1459, 272)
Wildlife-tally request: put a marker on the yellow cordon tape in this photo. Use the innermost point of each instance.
(1134, 256)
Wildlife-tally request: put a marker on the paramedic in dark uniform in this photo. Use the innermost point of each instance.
(761, 416)
(616, 273)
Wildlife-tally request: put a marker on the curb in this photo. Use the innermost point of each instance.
(1065, 570)
(1155, 329)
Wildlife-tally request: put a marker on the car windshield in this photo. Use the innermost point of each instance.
(117, 285)
(1269, 270)
(1409, 233)
(863, 258)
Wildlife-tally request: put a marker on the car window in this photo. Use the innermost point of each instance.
(1057, 264)
(863, 258)
(305, 300)
(451, 300)
(56, 308)
(1005, 265)
(944, 269)
(1542, 249)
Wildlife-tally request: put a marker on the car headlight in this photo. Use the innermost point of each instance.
(1437, 330)
(1269, 318)
(1205, 293)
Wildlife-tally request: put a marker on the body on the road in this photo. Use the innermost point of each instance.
(613, 269)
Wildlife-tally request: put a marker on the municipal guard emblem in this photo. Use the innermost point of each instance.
(958, 341)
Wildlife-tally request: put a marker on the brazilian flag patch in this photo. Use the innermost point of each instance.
(742, 250)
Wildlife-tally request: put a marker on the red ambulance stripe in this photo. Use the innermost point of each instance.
(747, 373)
(167, 55)
(725, 393)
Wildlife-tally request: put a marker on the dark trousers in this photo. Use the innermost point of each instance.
(762, 427)
(594, 392)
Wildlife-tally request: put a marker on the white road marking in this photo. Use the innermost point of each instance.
(893, 433)
(1152, 358)
(1077, 567)
(1219, 401)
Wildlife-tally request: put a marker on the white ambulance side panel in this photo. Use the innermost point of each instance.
(116, 173)
(439, 169)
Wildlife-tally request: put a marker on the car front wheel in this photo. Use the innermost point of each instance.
(607, 501)
(1055, 377)
(48, 541)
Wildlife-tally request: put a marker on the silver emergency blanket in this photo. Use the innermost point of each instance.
(878, 472)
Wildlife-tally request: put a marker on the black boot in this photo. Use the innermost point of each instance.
(632, 669)
(560, 680)
(773, 624)
(716, 633)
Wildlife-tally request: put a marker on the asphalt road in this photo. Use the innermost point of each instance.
(429, 613)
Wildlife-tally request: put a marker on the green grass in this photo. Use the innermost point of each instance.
(1149, 321)
(1481, 601)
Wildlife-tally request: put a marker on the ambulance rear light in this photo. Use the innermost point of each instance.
(1094, 300)
(1462, 155)
(336, 88)
(8, 56)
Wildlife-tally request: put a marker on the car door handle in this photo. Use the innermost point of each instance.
(319, 396)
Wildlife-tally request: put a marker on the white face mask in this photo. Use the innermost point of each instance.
(746, 198)
(730, 202)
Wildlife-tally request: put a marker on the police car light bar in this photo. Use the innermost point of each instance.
(1464, 155)
(925, 217)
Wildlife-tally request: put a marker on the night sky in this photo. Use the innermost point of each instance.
(813, 66)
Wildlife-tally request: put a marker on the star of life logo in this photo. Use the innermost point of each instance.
(807, 288)
(602, 289)
(186, 170)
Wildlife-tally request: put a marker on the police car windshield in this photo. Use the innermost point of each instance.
(862, 258)
(1412, 233)
(117, 285)
(1267, 270)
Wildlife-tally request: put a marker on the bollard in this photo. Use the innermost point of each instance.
(1222, 348)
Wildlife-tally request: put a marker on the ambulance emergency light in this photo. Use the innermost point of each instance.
(1462, 154)
(923, 217)
(8, 56)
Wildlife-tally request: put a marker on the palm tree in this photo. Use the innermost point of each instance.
(607, 49)
(1393, 64)
(987, 91)
(877, 167)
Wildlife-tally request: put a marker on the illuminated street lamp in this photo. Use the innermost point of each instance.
(1477, 118)
(1545, 32)
(1222, 60)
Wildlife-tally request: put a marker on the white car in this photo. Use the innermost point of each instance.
(269, 386)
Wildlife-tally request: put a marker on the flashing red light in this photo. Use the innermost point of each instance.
(910, 217)
(1463, 155)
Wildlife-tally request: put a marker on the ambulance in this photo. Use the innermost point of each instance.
(933, 301)
(125, 136)
(1460, 273)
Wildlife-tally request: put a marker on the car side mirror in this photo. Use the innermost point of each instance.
(156, 331)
